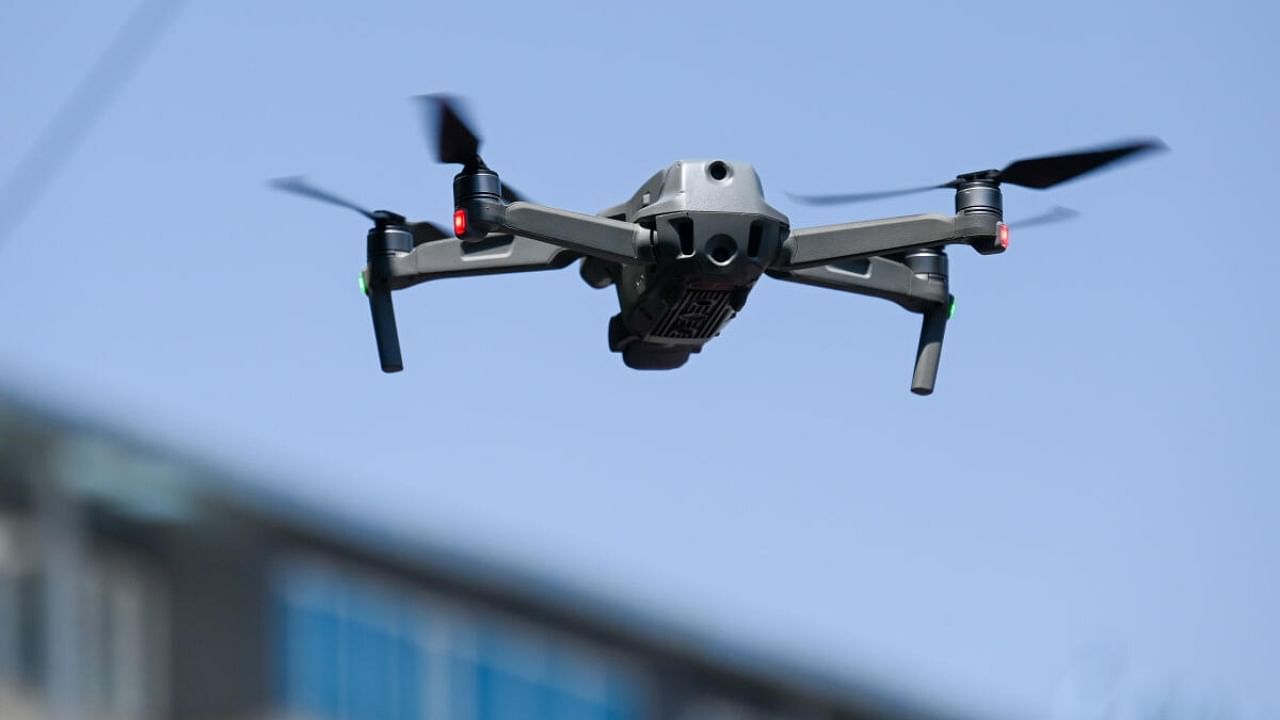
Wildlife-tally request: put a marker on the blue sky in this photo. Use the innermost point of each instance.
(1095, 477)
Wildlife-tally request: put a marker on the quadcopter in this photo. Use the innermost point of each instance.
(686, 249)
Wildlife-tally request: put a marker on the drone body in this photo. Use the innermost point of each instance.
(713, 235)
(686, 249)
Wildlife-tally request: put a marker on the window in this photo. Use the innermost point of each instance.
(354, 647)
(21, 656)
(347, 649)
(123, 619)
(119, 613)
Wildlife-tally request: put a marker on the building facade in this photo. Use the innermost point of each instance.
(135, 584)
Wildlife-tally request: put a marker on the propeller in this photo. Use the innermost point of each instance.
(422, 231)
(1053, 215)
(455, 142)
(383, 242)
(1038, 172)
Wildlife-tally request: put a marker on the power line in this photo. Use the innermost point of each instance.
(64, 133)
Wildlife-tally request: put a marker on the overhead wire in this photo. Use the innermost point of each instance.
(36, 170)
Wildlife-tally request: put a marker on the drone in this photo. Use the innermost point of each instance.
(684, 252)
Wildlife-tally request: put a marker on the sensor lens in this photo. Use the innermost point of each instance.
(722, 249)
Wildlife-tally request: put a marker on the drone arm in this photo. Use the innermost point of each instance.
(875, 277)
(598, 237)
(452, 257)
(824, 245)
(920, 292)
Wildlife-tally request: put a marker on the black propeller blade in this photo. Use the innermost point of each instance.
(859, 197)
(454, 140)
(422, 231)
(1038, 173)
(1045, 172)
(299, 186)
(1051, 216)
(509, 194)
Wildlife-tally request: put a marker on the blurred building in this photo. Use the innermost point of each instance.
(137, 584)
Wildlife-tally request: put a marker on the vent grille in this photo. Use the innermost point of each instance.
(696, 316)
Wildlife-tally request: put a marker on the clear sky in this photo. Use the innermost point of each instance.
(1088, 505)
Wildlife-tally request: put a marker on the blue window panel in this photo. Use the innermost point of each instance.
(463, 684)
(575, 686)
(369, 678)
(624, 698)
(308, 633)
(586, 685)
(484, 698)
(567, 706)
(410, 676)
(504, 688)
(352, 650)
(312, 657)
(620, 712)
(516, 697)
(282, 661)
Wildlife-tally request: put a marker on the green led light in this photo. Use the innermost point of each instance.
(951, 309)
(364, 286)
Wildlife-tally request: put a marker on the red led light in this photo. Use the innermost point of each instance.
(459, 222)
(1004, 236)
